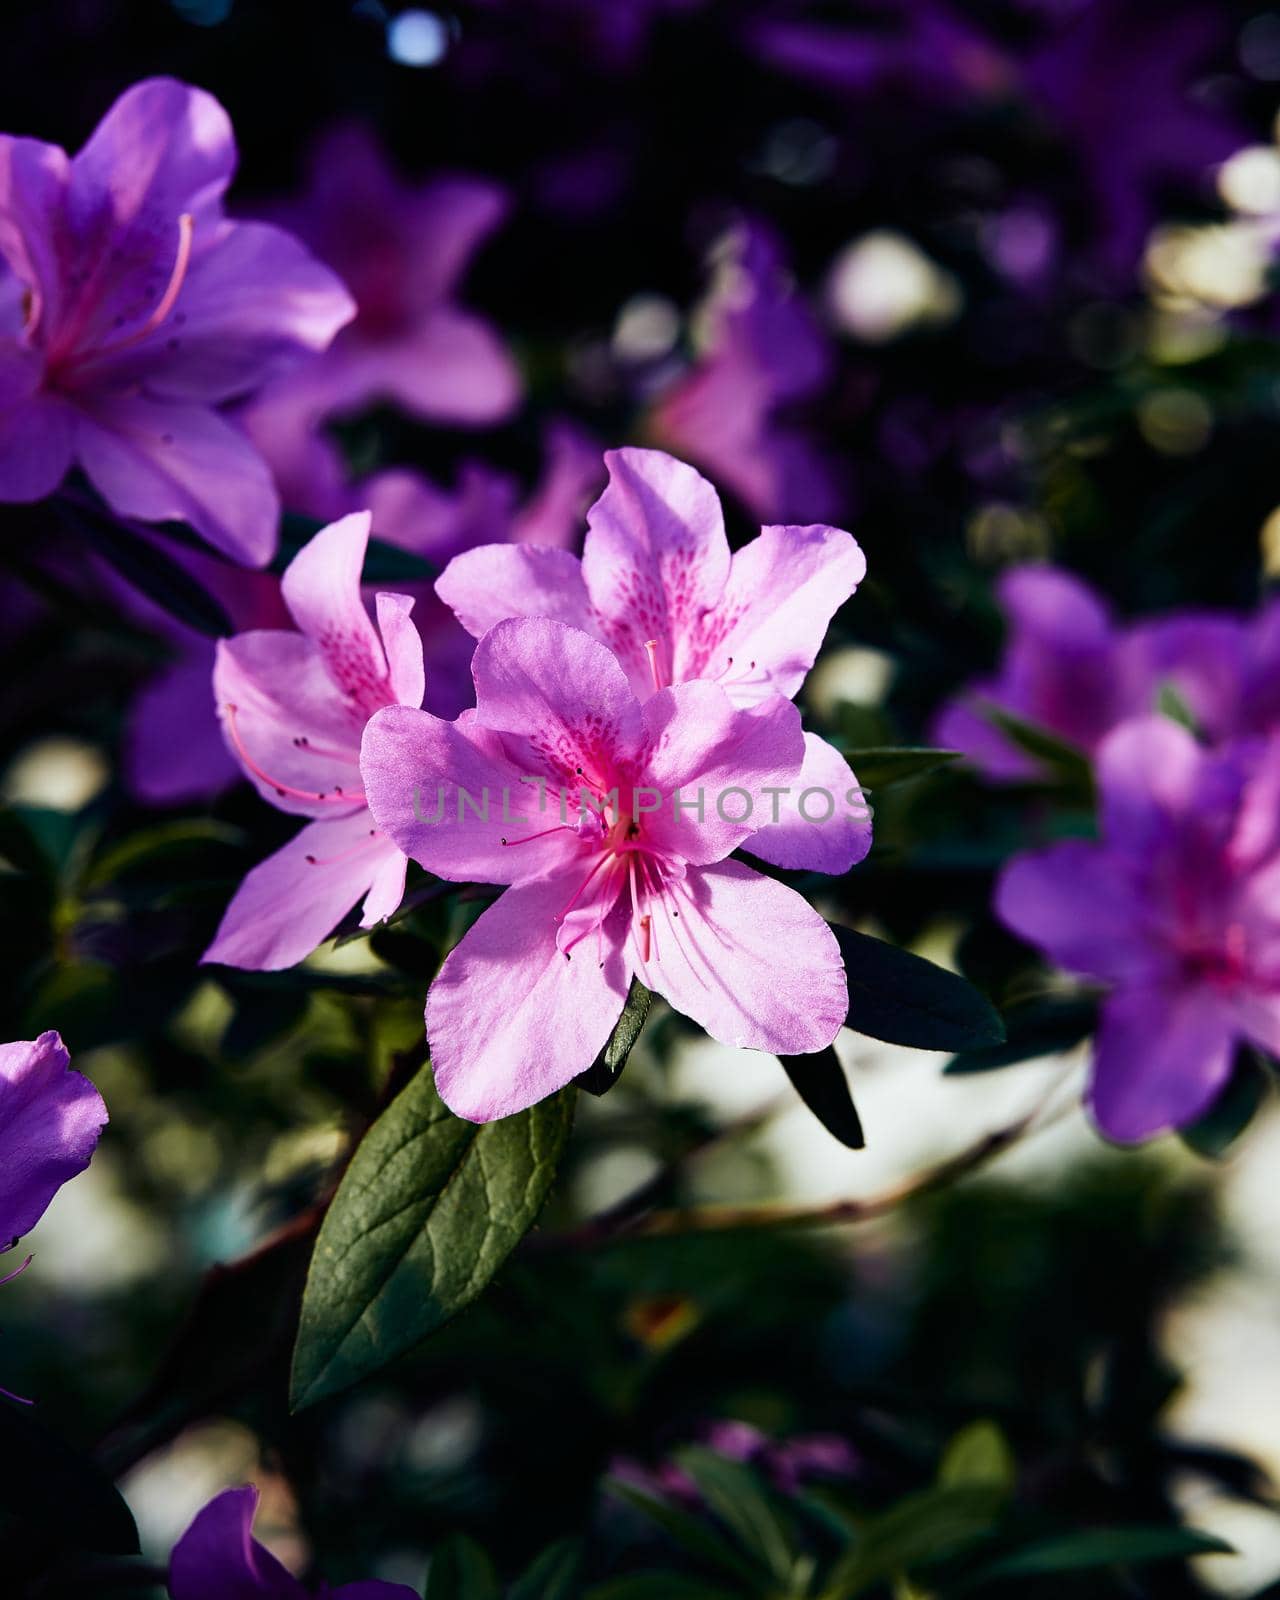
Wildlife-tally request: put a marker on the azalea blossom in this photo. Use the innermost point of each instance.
(402, 250)
(1071, 668)
(658, 585)
(760, 354)
(218, 1558)
(625, 875)
(1177, 909)
(50, 1120)
(132, 308)
(293, 706)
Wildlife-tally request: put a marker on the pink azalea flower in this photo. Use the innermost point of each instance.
(761, 353)
(1177, 909)
(50, 1121)
(628, 884)
(402, 250)
(658, 585)
(293, 707)
(131, 309)
(218, 1558)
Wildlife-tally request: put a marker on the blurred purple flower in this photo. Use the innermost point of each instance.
(218, 1558)
(131, 309)
(658, 585)
(788, 1463)
(294, 706)
(1177, 910)
(50, 1120)
(1069, 668)
(402, 251)
(762, 354)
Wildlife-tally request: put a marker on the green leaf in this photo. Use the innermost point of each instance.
(904, 999)
(978, 1455)
(693, 1534)
(427, 1212)
(924, 1528)
(460, 1570)
(877, 766)
(1102, 1547)
(740, 1500)
(171, 849)
(554, 1575)
(820, 1081)
(660, 1585)
(47, 1488)
(1064, 761)
(1213, 1134)
(1033, 1028)
(1169, 703)
(606, 1069)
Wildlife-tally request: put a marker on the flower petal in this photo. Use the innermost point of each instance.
(37, 429)
(485, 586)
(783, 589)
(50, 1120)
(452, 366)
(162, 461)
(174, 750)
(449, 796)
(563, 699)
(218, 1558)
(510, 1019)
(321, 587)
(1160, 1058)
(33, 186)
(748, 959)
(403, 646)
(1151, 775)
(655, 559)
(291, 902)
(826, 791)
(723, 761)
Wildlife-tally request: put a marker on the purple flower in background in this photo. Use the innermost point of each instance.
(402, 251)
(1177, 910)
(601, 891)
(1066, 668)
(761, 353)
(131, 309)
(218, 1558)
(658, 585)
(788, 1463)
(293, 707)
(50, 1121)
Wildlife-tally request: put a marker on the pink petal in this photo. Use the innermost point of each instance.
(321, 587)
(708, 749)
(403, 646)
(50, 1121)
(748, 959)
(296, 738)
(510, 1019)
(386, 891)
(448, 794)
(291, 902)
(1151, 776)
(655, 559)
(1160, 1058)
(784, 588)
(162, 461)
(826, 791)
(452, 366)
(485, 586)
(218, 1558)
(564, 698)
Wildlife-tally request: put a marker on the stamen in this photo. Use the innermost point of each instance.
(18, 1271)
(339, 797)
(651, 646)
(346, 855)
(602, 861)
(17, 1398)
(186, 228)
(528, 838)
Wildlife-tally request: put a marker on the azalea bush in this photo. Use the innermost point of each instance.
(641, 800)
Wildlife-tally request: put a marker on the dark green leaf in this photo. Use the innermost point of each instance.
(904, 999)
(820, 1081)
(554, 1575)
(1213, 1134)
(171, 849)
(606, 1069)
(660, 1586)
(979, 1455)
(49, 1489)
(1103, 1547)
(427, 1212)
(1063, 760)
(1034, 1028)
(924, 1528)
(740, 1500)
(694, 1534)
(460, 1570)
(876, 767)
